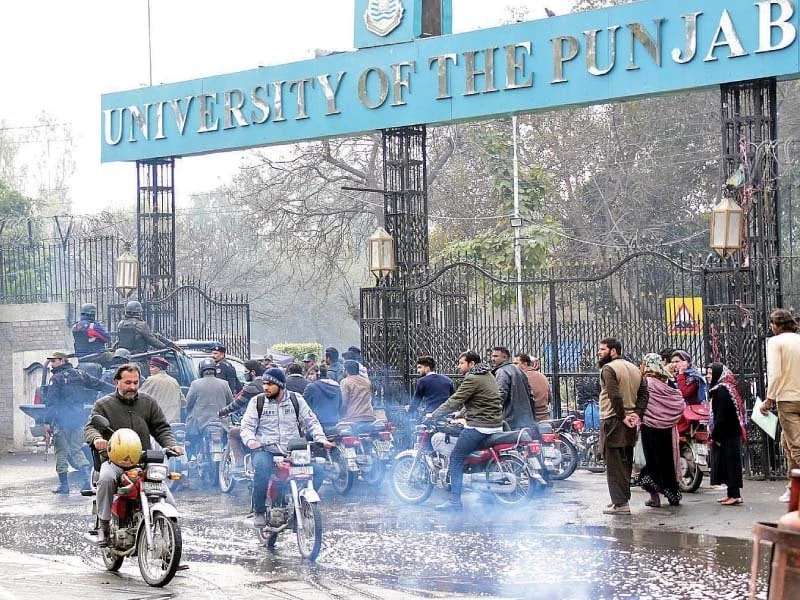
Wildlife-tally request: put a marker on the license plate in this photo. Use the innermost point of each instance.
(216, 447)
(301, 471)
(382, 445)
(349, 452)
(549, 452)
(152, 486)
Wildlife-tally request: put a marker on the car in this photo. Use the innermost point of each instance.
(197, 350)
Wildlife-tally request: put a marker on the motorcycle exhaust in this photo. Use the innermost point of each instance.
(269, 529)
(495, 488)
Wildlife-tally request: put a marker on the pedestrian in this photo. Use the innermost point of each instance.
(334, 365)
(783, 384)
(165, 389)
(691, 382)
(479, 396)
(65, 398)
(622, 403)
(295, 382)
(432, 388)
(225, 370)
(356, 395)
(726, 427)
(267, 362)
(540, 387)
(514, 390)
(90, 337)
(324, 398)
(659, 433)
(309, 362)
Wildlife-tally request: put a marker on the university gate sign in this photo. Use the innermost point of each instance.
(401, 76)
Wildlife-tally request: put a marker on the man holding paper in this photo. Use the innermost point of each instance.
(783, 384)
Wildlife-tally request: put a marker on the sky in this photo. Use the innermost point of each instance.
(59, 57)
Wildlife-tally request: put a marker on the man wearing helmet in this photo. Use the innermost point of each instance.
(131, 409)
(90, 336)
(276, 423)
(133, 333)
(205, 398)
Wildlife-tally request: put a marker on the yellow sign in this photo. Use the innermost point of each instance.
(684, 314)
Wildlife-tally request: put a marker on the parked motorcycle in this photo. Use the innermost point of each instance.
(368, 448)
(693, 448)
(560, 451)
(292, 501)
(206, 459)
(500, 469)
(142, 523)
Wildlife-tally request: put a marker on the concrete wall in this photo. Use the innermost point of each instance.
(29, 332)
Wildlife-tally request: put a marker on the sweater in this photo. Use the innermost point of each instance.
(142, 414)
(783, 367)
(356, 399)
(167, 391)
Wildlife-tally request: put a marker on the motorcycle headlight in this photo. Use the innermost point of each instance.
(156, 472)
(301, 457)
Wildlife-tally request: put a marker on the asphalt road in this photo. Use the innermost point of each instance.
(559, 546)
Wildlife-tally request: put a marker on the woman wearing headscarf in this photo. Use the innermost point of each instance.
(660, 434)
(691, 381)
(726, 426)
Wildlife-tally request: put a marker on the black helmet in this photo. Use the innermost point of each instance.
(133, 308)
(122, 353)
(88, 310)
(91, 368)
(207, 364)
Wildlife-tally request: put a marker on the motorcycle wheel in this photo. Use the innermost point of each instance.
(691, 475)
(111, 560)
(411, 488)
(569, 460)
(309, 535)
(158, 566)
(514, 466)
(377, 471)
(343, 482)
(226, 480)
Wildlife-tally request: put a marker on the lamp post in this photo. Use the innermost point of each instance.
(127, 275)
(727, 227)
(380, 254)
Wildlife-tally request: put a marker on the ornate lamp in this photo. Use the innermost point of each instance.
(727, 227)
(127, 276)
(380, 253)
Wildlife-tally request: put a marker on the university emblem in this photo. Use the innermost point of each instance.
(383, 16)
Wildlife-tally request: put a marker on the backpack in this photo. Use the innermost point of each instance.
(295, 403)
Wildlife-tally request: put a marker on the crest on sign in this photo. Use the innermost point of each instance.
(383, 16)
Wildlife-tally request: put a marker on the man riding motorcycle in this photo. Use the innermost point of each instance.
(276, 424)
(125, 408)
(205, 398)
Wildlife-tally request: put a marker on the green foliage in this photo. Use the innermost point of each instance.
(299, 349)
(15, 210)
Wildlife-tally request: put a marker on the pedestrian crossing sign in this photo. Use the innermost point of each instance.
(684, 314)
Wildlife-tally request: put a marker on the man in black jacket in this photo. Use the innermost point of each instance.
(514, 390)
(224, 369)
(125, 408)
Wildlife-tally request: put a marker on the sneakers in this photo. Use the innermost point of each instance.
(259, 520)
(622, 509)
(785, 497)
(451, 504)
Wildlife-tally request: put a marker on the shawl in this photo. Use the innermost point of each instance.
(728, 381)
(664, 405)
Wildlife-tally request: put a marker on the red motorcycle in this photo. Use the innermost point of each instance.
(693, 448)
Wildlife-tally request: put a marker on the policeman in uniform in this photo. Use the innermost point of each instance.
(90, 336)
(224, 369)
(65, 396)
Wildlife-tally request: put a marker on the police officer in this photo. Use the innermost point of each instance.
(224, 369)
(65, 396)
(133, 333)
(90, 336)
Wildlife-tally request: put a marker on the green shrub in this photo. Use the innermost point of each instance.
(300, 349)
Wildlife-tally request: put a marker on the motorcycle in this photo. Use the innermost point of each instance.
(142, 523)
(509, 467)
(692, 447)
(368, 448)
(292, 501)
(560, 451)
(207, 458)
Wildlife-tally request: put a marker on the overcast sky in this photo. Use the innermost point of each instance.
(59, 57)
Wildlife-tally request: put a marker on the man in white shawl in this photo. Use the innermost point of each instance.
(165, 389)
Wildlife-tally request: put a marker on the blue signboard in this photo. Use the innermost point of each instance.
(627, 51)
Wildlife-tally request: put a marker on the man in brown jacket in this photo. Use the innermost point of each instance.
(540, 387)
(623, 399)
(480, 397)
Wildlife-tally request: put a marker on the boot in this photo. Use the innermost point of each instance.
(453, 503)
(87, 473)
(63, 487)
(102, 534)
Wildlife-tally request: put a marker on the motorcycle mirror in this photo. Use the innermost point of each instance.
(100, 422)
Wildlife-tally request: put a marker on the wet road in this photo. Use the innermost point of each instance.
(375, 547)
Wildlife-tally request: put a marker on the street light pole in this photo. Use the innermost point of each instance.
(517, 224)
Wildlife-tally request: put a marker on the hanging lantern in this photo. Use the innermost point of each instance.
(127, 276)
(727, 227)
(380, 253)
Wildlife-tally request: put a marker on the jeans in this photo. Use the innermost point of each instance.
(469, 441)
(262, 465)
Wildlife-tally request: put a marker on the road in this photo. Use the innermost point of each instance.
(560, 546)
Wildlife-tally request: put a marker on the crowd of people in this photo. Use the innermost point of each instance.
(637, 402)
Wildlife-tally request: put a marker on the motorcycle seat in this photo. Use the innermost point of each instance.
(506, 437)
(331, 431)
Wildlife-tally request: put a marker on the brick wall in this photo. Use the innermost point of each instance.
(29, 332)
